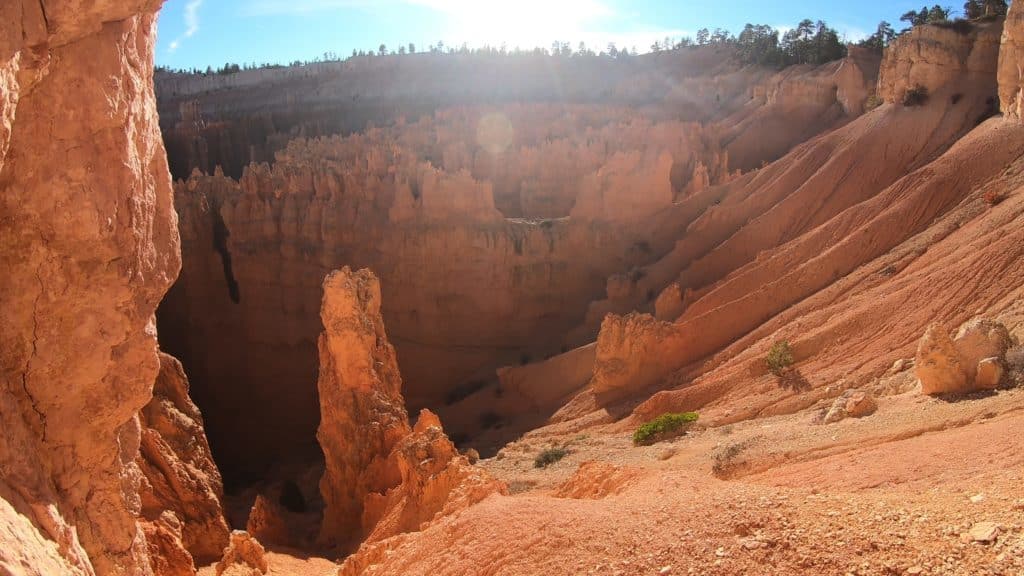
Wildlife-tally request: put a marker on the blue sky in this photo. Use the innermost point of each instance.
(197, 33)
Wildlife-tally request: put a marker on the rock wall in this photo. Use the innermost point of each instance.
(936, 57)
(232, 121)
(243, 316)
(89, 245)
(1011, 60)
(180, 477)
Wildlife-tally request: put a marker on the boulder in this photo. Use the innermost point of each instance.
(244, 556)
(851, 404)
(972, 361)
(979, 339)
(989, 373)
(938, 365)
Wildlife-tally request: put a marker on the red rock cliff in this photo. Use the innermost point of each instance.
(180, 475)
(89, 245)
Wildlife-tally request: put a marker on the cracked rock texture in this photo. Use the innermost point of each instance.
(180, 477)
(88, 245)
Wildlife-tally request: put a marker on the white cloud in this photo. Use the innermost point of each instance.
(191, 24)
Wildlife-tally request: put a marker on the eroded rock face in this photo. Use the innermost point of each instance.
(1011, 59)
(627, 360)
(979, 339)
(362, 413)
(180, 476)
(382, 477)
(266, 522)
(937, 365)
(167, 554)
(935, 58)
(436, 481)
(89, 245)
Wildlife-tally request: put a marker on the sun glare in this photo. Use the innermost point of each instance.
(523, 23)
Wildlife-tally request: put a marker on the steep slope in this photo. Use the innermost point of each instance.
(921, 485)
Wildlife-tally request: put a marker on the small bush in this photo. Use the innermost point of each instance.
(780, 358)
(666, 426)
(872, 102)
(549, 457)
(916, 96)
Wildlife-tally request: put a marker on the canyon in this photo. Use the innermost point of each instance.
(226, 295)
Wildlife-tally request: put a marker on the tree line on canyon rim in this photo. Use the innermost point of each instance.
(809, 42)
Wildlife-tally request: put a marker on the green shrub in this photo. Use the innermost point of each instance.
(663, 427)
(872, 102)
(780, 358)
(549, 457)
(916, 96)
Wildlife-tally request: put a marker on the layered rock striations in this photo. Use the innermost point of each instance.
(725, 267)
(382, 477)
(935, 57)
(89, 245)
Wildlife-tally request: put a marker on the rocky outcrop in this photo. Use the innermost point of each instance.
(382, 477)
(1011, 60)
(436, 481)
(972, 361)
(362, 413)
(180, 476)
(936, 57)
(244, 556)
(88, 245)
(167, 554)
(627, 360)
(267, 522)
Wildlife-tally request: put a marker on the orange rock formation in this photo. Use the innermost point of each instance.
(382, 478)
(180, 477)
(89, 245)
(541, 203)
